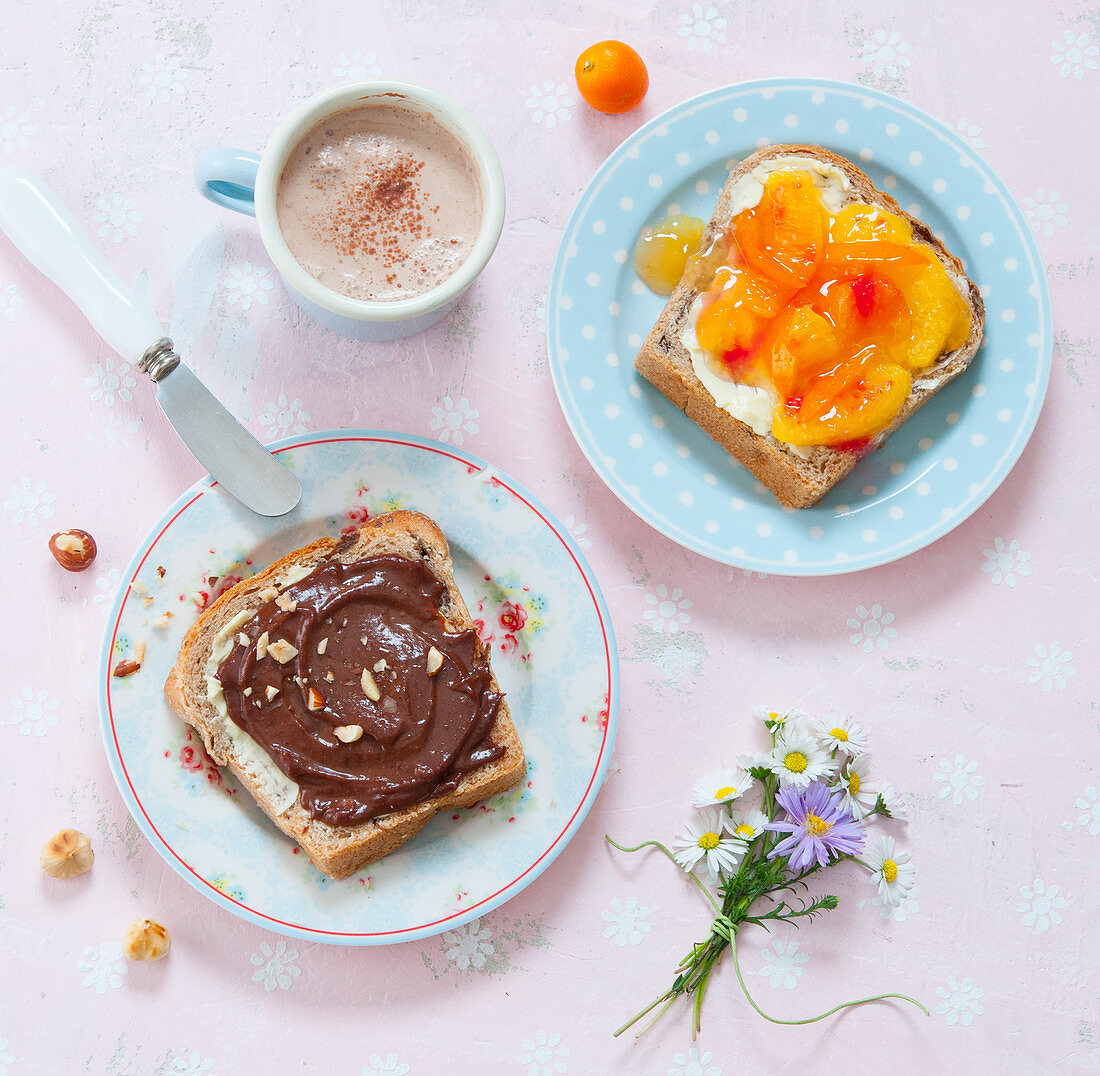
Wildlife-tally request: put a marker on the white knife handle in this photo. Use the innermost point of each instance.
(54, 243)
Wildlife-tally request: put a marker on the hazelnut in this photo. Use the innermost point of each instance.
(282, 651)
(316, 700)
(370, 688)
(66, 854)
(435, 661)
(348, 733)
(126, 667)
(74, 550)
(146, 940)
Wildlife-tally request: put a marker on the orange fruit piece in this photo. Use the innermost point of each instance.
(733, 325)
(662, 251)
(803, 343)
(611, 77)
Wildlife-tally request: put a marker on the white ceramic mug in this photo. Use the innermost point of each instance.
(247, 182)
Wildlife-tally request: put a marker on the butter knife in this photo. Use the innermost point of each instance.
(49, 237)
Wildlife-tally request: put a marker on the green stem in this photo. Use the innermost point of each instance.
(814, 1019)
(657, 844)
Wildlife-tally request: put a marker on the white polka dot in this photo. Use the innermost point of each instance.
(673, 209)
(571, 250)
(609, 461)
(977, 439)
(897, 467)
(586, 383)
(866, 154)
(916, 157)
(939, 185)
(892, 130)
(963, 212)
(790, 556)
(790, 120)
(638, 287)
(868, 535)
(621, 256)
(740, 115)
(683, 451)
(636, 440)
(941, 237)
(923, 489)
(1032, 339)
(686, 498)
(711, 138)
(764, 530)
(566, 302)
(702, 187)
(711, 480)
(660, 469)
(683, 158)
(1011, 265)
(1005, 415)
(965, 161)
(737, 551)
(737, 504)
(768, 93)
(612, 359)
(841, 509)
(599, 227)
(841, 126)
(655, 181)
(614, 310)
(710, 527)
(895, 512)
(952, 418)
(817, 532)
(985, 290)
(635, 390)
(868, 491)
(947, 513)
(987, 187)
(626, 203)
(658, 422)
(978, 390)
(842, 557)
(914, 208)
(763, 141)
(818, 97)
(632, 153)
(890, 182)
(592, 280)
(950, 464)
(588, 332)
(563, 354)
(1007, 366)
(1033, 290)
(1008, 315)
(1029, 390)
(924, 444)
(986, 239)
(634, 492)
(634, 340)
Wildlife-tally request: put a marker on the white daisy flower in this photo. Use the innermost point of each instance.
(891, 872)
(860, 792)
(706, 841)
(748, 825)
(785, 721)
(720, 786)
(891, 803)
(842, 734)
(797, 759)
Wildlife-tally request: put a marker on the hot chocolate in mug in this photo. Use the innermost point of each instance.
(251, 183)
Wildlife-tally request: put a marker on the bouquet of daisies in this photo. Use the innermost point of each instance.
(767, 824)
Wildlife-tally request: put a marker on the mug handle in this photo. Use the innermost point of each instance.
(228, 178)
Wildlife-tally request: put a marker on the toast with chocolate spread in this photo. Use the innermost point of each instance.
(797, 478)
(347, 689)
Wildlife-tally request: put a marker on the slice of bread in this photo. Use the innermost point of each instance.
(336, 850)
(798, 479)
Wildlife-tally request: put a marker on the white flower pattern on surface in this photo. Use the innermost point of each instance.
(356, 65)
(695, 1064)
(454, 421)
(192, 1065)
(971, 132)
(1089, 806)
(106, 589)
(29, 503)
(543, 1055)
(1050, 667)
(783, 964)
(117, 217)
(1074, 55)
(1042, 906)
(6, 1059)
(872, 628)
(885, 53)
(469, 944)
(391, 1066)
(103, 968)
(1046, 211)
(702, 27)
(908, 907)
(283, 417)
(960, 779)
(960, 1001)
(34, 712)
(275, 967)
(1003, 563)
(10, 301)
(15, 130)
(246, 284)
(550, 103)
(626, 923)
(111, 383)
(163, 78)
(578, 530)
(668, 610)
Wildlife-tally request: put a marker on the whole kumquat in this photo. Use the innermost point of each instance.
(611, 77)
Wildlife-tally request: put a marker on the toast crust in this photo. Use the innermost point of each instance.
(665, 362)
(337, 851)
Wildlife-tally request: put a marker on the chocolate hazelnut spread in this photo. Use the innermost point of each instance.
(349, 647)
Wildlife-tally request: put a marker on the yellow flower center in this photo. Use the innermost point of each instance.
(817, 827)
(708, 841)
(839, 734)
(744, 831)
(795, 761)
(853, 784)
(774, 716)
(725, 792)
(890, 870)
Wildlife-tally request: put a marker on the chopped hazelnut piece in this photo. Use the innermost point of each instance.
(268, 593)
(370, 688)
(380, 666)
(330, 676)
(282, 651)
(247, 691)
(316, 700)
(271, 692)
(139, 650)
(126, 667)
(139, 588)
(435, 661)
(348, 733)
(243, 639)
(288, 605)
(261, 647)
(322, 646)
(161, 623)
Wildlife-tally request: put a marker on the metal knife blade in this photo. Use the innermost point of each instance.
(50, 238)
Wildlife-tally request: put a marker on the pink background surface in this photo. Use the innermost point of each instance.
(987, 674)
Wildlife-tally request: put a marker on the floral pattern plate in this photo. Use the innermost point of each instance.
(537, 606)
(933, 472)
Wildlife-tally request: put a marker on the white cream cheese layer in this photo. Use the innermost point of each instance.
(830, 181)
(276, 786)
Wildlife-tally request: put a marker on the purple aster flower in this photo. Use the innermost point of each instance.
(818, 824)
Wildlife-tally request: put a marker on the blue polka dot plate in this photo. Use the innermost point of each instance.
(934, 471)
(536, 605)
